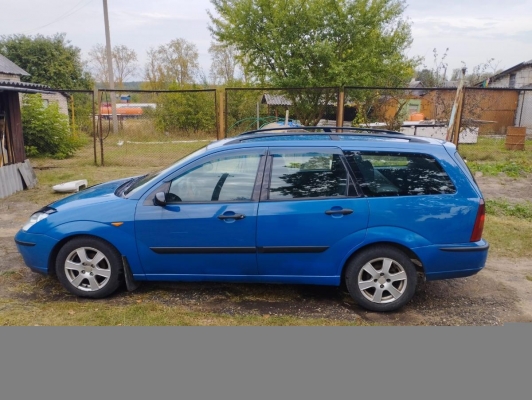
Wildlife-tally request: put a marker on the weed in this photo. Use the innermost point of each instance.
(501, 207)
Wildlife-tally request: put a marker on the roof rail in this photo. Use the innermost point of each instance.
(333, 133)
(324, 129)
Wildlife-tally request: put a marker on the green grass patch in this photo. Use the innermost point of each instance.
(512, 169)
(508, 236)
(501, 207)
(491, 157)
(103, 313)
(529, 278)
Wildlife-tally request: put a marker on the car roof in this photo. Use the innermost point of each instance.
(338, 136)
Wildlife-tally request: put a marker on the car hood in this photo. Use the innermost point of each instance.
(94, 194)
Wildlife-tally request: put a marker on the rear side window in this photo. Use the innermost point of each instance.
(307, 175)
(399, 174)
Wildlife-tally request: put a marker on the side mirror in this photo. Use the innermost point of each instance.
(160, 199)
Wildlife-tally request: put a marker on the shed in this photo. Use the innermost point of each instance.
(16, 172)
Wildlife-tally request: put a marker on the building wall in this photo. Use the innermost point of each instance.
(523, 116)
(523, 77)
(9, 77)
(58, 98)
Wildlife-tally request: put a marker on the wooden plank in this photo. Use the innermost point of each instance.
(15, 127)
(26, 171)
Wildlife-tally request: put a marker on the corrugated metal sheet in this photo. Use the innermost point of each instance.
(14, 177)
(273, 100)
(24, 87)
(9, 67)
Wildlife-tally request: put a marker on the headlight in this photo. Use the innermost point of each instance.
(38, 216)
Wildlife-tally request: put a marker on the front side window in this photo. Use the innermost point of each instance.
(307, 175)
(225, 178)
(399, 174)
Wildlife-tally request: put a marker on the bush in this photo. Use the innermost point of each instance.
(46, 130)
(188, 112)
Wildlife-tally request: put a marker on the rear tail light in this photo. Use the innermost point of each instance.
(479, 222)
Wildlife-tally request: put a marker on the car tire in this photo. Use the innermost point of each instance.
(381, 278)
(89, 267)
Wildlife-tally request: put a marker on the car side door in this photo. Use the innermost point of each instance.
(310, 216)
(207, 226)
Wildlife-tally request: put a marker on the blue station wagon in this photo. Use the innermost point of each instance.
(374, 210)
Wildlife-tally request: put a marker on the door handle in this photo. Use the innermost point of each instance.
(232, 216)
(343, 211)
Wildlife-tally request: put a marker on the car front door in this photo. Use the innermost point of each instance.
(207, 227)
(310, 216)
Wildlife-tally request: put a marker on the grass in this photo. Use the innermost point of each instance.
(102, 313)
(491, 157)
(120, 162)
(508, 236)
(529, 278)
(501, 207)
(29, 299)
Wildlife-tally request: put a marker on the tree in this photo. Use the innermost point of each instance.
(175, 62)
(316, 43)
(478, 74)
(224, 63)
(45, 128)
(51, 61)
(124, 63)
(300, 43)
(189, 112)
(437, 74)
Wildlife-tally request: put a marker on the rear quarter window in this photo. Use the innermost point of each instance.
(399, 174)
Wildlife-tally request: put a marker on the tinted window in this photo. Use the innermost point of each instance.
(307, 175)
(229, 178)
(399, 174)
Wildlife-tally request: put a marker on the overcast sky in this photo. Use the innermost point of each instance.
(473, 30)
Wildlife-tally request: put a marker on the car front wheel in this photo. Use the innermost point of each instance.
(381, 278)
(89, 267)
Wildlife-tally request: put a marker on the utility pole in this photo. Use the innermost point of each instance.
(110, 67)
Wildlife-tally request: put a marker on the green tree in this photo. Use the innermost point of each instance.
(302, 43)
(46, 130)
(172, 63)
(50, 60)
(316, 43)
(224, 64)
(189, 112)
(436, 75)
(124, 63)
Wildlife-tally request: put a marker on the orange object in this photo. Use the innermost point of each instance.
(417, 117)
(122, 110)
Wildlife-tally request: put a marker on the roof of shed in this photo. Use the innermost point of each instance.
(24, 87)
(524, 64)
(275, 100)
(9, 67)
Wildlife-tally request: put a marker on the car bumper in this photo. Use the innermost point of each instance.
(453, 261)
(35, 250)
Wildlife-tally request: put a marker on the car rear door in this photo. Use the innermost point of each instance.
(310, 216)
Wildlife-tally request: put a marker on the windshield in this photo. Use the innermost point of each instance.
(146, 180)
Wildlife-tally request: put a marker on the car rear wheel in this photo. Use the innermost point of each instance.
(381, 278)
(89, 267)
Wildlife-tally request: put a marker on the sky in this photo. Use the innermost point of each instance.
(473, 30)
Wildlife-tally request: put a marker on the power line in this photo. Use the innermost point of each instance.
(73, 10)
